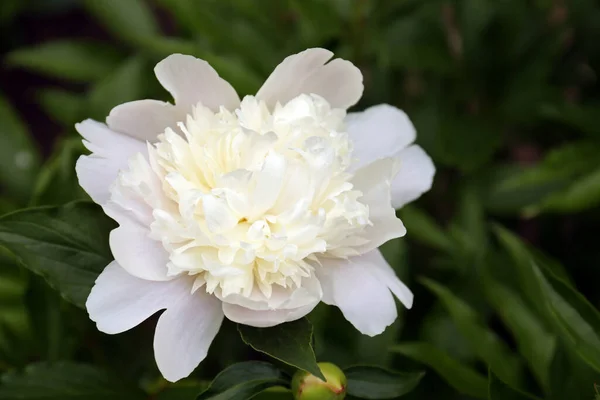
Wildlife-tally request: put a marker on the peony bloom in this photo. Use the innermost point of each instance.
(255, 210)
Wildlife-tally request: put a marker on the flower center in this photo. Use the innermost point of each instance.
(246, 200)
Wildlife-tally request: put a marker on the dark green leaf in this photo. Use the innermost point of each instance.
(275, 393)
(244, 380)
(535, 343)
(580, 195)
(552, 184)
(65, 381)
(62, 106)
(368, 382)
(15, 330)
(67, 245)
(71, 60)
(130, 20)
(47, 320)
(462, 378)
(564, 308)
(19, 159)
(424, 228)
(182, 391)
(57, 183)
(124, 84)
(499, 390)
(485, 342)
(570, 376)
(290, 342)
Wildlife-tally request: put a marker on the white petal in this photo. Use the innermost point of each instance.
(111, 152)
(364, 300)
(415, 175)
(119, 301)
(339, 81)
(374, 182)
(264, 318)
(268, 183)
(137, 253)
(191, 80)
(378, 132)
(184, 333)
(386, 275)
(307, 295)
(219, 216)
(144, 119)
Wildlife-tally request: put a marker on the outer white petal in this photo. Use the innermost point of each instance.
(386, 275)
(191, 80)
(137, 253)
(339, 82)
(415, 175)
(364, 300)
(145, 119)
(378, 132)
(184, 333)
(110, 153)
(265, 318)
(120, 301)
(374, 181)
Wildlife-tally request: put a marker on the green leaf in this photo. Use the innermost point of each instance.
(550, 185)
(564, 308)
(14, 326)
(62, 106)
(49, 324)
(244, 380)
(65, 381)
(274, 393)
(499, 390)
(535, 343)
(67, 245)
(369, 382)
(582, 194)
(182, 390)
(130, 20)
(290, 342)
(571, 377)
(70, 60)
(19, 159)
(460, 377)
(424, 228)
(124, 84)
(57, 183)
(485, 342)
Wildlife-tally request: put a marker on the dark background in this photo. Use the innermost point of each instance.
(505, 98)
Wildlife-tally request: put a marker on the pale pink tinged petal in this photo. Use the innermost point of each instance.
(184, 333)
(365, 301)
(378, 132)
(111, 152)
(144, 119)
(265, 318)
(191, 80)
(374, 182)
(339, 82)
(415, 175)
(138, 254)
(386, 275)
(119, 301)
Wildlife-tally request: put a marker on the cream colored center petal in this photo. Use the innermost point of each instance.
(245, 200)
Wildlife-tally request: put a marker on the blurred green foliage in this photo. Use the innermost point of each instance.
(502, 254)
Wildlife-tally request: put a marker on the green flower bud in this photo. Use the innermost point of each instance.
(308, 387)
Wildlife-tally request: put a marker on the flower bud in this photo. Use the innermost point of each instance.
(308, 387)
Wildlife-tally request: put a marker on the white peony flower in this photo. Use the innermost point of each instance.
(255, 210)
